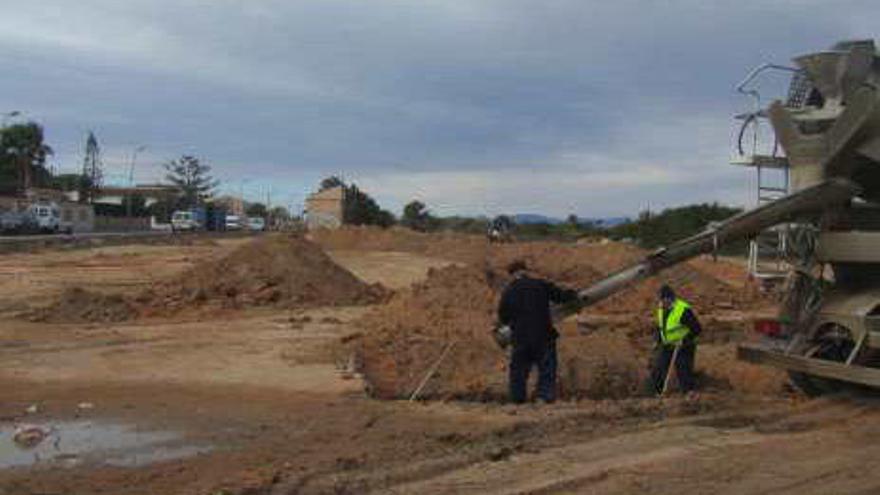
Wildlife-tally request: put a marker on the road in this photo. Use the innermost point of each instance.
(80, 235)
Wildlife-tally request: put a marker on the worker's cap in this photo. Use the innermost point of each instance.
(666, 292)
(517, 266)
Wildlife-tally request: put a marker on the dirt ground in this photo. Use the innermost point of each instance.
(276, 405)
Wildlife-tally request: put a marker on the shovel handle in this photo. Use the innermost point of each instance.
(669, 369)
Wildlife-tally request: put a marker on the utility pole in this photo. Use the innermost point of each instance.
(128, 203)
(134, 154)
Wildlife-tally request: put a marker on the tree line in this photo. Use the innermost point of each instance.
(649, 230)
(23, 155)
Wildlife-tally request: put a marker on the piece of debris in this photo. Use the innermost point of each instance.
(500, 454)
(29, 436)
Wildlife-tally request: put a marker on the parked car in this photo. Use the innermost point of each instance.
(188, 220)
(159, 226)
(233, 222)
(18, 222)
(256, 224)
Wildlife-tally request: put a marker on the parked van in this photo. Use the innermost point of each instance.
(188, 220)
(233, 222)
(47, 216)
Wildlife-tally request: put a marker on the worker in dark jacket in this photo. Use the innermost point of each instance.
(525, 308)
(677, 326)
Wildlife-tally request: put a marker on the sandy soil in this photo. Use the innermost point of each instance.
(273, 393)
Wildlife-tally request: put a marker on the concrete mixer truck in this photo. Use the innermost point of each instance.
(824, 214)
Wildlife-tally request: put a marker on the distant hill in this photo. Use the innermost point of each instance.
(530, 218)
(672, 224)
(610, 221)
(533, 218)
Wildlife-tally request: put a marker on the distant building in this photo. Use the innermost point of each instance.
(233, 205)
(111, 195)
(324, 209)
(76, 217)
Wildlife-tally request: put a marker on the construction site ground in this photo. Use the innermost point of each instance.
(267, 400)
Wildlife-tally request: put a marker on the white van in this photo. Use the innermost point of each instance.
(47, 216)
(185, 220)
(233, 222)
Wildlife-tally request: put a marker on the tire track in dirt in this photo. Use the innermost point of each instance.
(573, 466)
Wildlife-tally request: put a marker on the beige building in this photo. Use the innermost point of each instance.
(324, 209)
(233, 205)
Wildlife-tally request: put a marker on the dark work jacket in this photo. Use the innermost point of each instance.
(525, 307)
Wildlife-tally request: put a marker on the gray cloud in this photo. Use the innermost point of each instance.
(596, 108)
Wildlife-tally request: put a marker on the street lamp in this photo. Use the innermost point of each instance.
(128, 203)
(134, 155)
(241, 184)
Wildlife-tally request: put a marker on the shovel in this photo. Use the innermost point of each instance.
(669, 369)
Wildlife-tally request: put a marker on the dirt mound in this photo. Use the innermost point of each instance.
(456, 306)
(279, 271)
(571, 264)
(402, 339)
(447, 245)
(718, 363)
(580, 266)
(80, 305)
(450, 315)
(607, 363)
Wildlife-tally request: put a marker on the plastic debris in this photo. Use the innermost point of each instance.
(29, 436)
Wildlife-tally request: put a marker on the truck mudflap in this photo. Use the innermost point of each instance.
(851, 373)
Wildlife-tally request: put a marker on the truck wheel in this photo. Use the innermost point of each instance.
(832, 343)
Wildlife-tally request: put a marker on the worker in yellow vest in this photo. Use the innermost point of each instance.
(677, 326)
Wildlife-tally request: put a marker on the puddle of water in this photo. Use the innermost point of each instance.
(71, 443)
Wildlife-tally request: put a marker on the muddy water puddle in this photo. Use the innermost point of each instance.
(74, 443)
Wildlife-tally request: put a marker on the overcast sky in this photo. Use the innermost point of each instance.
(597, 108)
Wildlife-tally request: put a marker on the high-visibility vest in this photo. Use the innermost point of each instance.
(672, 331)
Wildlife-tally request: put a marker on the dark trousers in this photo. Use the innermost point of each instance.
(684, 367)
(522, 358)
